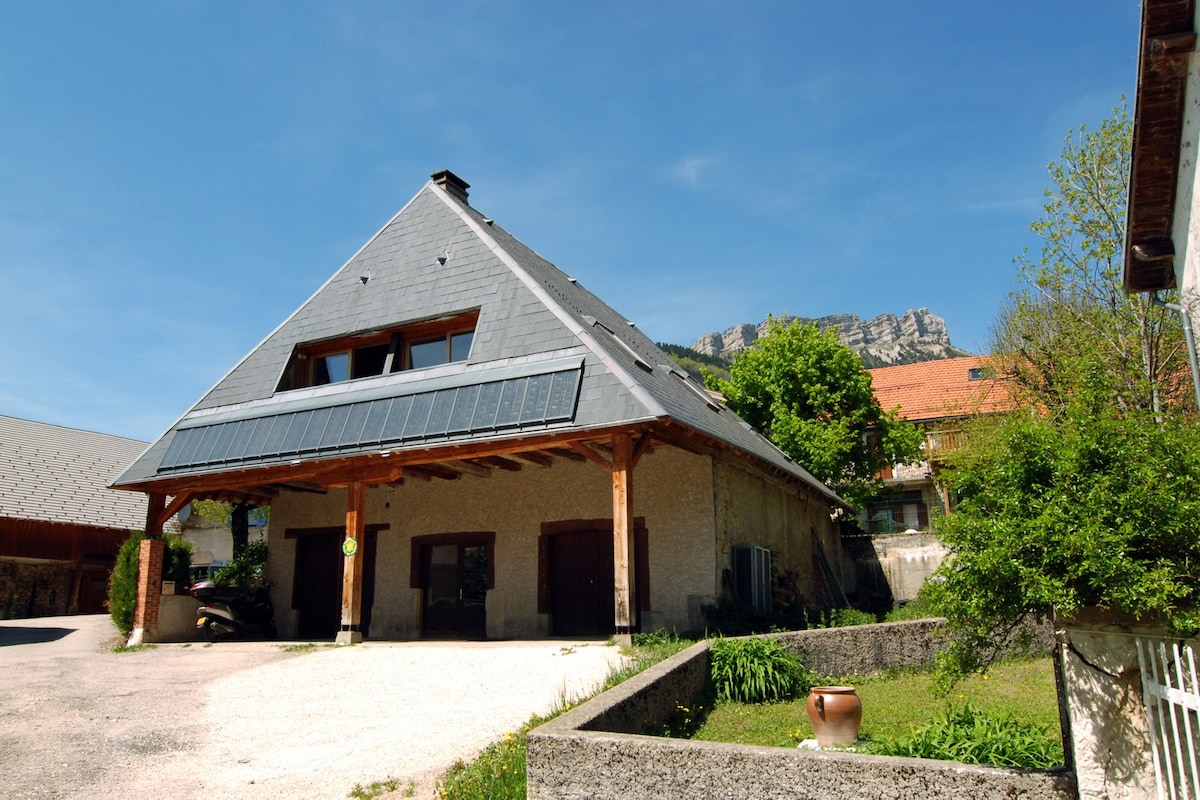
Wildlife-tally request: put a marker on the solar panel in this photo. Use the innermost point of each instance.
(317, 422)
(418, 416)
(439, 413)
(295, 433)
(393, 428)
(455, 411)
(463, 415)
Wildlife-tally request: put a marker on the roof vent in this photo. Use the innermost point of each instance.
(453, 184)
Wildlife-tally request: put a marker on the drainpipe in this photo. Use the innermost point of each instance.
(1187, 333)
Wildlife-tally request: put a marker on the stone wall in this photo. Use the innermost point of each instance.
(600, 749)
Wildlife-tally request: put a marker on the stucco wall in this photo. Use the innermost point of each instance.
(753, 508)
(672, 491)
(1109, 729)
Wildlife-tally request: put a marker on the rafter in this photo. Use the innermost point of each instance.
(501, 463)
(541, 458)
(470, 468)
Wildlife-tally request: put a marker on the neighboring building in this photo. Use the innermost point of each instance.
(1162, 238)
(938, 396)
(458, 439)
(60, 526)
(212, 540)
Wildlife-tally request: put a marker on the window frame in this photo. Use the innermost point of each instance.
(301, 369)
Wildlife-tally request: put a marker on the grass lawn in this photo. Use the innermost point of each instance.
(893, 706)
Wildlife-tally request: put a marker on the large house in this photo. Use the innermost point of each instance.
(458, 439)
(60, 527)
(938, 397)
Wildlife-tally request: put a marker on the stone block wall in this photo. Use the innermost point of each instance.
(599, 749)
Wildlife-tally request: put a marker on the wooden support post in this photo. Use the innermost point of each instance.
(150, 570)
(352, 569)
(623, 566)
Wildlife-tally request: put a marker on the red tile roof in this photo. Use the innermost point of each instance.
(939, 389)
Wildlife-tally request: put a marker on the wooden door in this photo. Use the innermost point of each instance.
(455, 589)
(581, 583)
(317, 593)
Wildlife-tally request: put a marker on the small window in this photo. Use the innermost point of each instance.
(980, 373)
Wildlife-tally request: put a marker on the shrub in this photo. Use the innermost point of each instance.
(246, 568)
(975, 736)
(920, 608)
(756, 671)
(122, 586)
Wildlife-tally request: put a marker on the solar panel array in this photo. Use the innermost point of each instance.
(365, 425)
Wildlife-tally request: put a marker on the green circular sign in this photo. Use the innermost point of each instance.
(350, 546)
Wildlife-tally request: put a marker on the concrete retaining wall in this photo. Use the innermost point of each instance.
(598, 750)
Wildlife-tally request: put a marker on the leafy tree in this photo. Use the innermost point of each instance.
(236, 515)
(1087, 494)
(808, 393)
(1071, 315)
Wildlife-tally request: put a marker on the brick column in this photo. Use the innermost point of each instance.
(150, 571)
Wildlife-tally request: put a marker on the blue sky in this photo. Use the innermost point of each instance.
(177, 177)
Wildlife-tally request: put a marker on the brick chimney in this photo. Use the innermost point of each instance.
(453, 184)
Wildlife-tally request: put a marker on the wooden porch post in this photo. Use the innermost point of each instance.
(352, 570)
(150, 566)
(623, 566)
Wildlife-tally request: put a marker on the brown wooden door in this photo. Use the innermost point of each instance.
(581, 583)
(455, 590)
(317, 596)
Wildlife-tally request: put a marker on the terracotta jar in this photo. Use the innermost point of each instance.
(835, 713)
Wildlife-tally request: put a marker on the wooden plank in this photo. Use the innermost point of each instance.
(173, 508)
(566, 452)
(352, 568)
(501, 462)
(624, 569)
(540, 458)
(155, 503)
(591, 455)
(470, 468)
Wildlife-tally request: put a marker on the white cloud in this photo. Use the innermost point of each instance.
(691, 172)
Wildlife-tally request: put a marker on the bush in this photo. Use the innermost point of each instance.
(246, 568)
(974, 736)
(920, 608)
(122, 586)
(757, 671)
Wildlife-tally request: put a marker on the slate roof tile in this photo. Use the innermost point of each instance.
(527, 307)
(55, 474)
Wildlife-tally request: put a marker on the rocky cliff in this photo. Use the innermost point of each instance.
(916, 335)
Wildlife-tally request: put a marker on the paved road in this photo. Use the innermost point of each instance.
(251, 720)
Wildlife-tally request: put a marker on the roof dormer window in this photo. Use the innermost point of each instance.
(417, 346)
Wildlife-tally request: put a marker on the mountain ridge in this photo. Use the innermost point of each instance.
(882, 341)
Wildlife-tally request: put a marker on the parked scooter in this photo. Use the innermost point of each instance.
(229, 611)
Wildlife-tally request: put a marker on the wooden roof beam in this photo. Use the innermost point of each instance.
(501, 462)
(470, 468)
(541, 458)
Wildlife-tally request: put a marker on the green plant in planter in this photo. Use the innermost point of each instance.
(974, 736)
(123, 583)
(757, 670)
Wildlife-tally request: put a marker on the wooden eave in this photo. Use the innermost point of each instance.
(450, 461)
(1168, 37)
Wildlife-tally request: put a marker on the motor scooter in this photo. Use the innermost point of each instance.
(230, 611)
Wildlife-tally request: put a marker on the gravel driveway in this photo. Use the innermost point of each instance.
(249, 720)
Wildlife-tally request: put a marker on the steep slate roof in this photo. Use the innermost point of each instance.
(54, 474)
(572, 362)
(931, 390)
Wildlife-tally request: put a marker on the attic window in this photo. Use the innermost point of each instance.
(417, 346)
(980, 373)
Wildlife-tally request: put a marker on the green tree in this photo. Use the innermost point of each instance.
(1086, 495)
(809, 394)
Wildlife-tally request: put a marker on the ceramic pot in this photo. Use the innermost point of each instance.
(835, 713)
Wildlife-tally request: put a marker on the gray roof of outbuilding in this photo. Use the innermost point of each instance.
(529, 312)
(55, 474)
